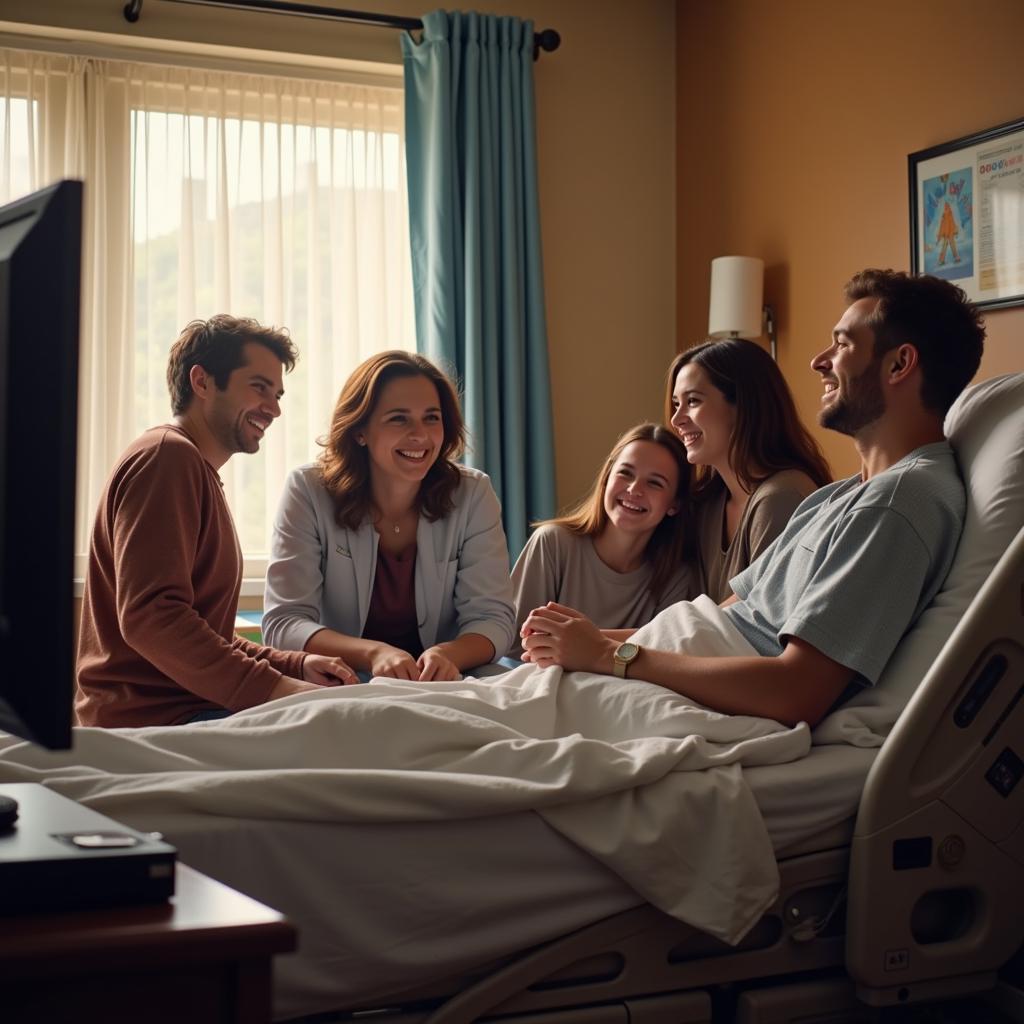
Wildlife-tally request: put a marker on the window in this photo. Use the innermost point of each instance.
(207, 191)
(19, 120)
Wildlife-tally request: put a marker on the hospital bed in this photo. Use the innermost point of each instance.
(899, 867)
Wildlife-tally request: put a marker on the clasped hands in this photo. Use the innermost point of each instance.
(392, 662)
(558, 635)
(432, 666)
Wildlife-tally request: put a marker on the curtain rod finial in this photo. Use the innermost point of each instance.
(547, 40)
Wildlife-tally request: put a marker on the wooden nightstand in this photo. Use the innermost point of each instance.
(204, 956)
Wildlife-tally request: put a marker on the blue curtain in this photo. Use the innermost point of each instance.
(475, 232)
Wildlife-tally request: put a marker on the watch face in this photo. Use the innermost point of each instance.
(626, 652)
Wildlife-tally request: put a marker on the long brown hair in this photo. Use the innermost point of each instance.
(768, 436)
(345, 464)
(670, 543)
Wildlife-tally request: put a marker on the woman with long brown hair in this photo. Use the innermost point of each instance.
(756, 462)
(619, 556)
(386, 552)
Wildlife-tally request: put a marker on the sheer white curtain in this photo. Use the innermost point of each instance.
(208, 192)
(42, 137)
(54, 125)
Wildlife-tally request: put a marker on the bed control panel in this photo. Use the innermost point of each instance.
(1005, 773)
(981, 739)
(911, 853)
(992, 671)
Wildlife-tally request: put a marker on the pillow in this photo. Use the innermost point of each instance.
(986, 428)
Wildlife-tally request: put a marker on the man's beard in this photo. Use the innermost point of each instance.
(859, 405)
(230, 434)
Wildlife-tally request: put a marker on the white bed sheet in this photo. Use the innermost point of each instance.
(639, 777)
(385, 908)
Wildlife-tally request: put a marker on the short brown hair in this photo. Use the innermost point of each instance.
(671, 542)
(768, 436)
(345, 464)
(933, 315)
(216, 345)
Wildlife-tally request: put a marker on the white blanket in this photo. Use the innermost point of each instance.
(641, 778)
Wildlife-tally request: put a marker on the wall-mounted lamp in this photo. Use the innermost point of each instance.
(737, 308)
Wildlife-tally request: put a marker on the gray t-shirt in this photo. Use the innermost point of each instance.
(558, 565)
(769, 508)
(857, 564)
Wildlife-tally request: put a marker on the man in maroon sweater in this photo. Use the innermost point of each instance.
(157, 644)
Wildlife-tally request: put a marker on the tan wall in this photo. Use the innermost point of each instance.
(795, 121)
(606, 142)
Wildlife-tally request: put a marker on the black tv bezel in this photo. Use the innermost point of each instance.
(40, 290)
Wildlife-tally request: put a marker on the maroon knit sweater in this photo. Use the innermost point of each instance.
(157, 642)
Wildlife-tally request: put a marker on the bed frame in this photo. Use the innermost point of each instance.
(925, 901)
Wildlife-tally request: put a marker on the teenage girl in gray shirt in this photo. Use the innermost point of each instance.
(621, 554)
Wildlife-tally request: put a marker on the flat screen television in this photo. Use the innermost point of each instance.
(40, 271)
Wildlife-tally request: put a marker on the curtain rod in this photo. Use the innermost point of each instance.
(547, 39)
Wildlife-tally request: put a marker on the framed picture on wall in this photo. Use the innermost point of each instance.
(967, 214)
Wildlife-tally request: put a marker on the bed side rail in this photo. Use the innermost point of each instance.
(936, 902)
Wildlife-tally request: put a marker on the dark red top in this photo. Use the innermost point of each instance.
(157, 642)
(392, 615)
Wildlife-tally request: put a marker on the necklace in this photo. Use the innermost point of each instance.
(394, 524)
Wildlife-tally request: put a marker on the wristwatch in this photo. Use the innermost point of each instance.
(625, 655)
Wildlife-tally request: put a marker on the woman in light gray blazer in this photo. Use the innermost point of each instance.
(386, 552)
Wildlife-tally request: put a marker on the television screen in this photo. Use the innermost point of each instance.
(40, 269)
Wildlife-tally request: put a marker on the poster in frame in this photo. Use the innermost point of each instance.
(967, 214)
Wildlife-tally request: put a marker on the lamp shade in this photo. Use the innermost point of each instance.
(737, 297)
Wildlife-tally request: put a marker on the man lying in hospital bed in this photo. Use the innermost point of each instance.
(399, 877)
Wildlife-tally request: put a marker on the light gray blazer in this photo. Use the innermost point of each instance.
(321, 574)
